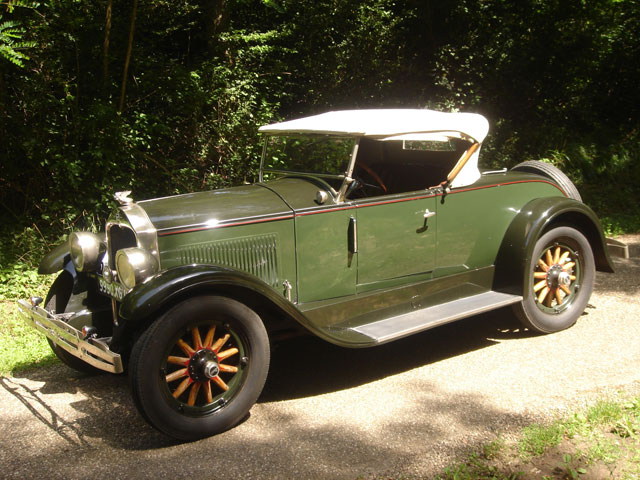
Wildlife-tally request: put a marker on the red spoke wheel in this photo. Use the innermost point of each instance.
(559, 281)
(199, 368)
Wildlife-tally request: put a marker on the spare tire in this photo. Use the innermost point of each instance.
(552, 173)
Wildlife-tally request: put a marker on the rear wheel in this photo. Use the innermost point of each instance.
(199, 368)
(560, 280)
(552, 173)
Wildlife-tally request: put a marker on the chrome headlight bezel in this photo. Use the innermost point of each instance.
(134, 265)
(86, 250)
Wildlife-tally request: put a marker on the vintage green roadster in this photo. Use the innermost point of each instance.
(365, 226)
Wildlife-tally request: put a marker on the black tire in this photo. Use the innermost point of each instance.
(56, 302)
(551, 172)
(554, 298)
(164, 374)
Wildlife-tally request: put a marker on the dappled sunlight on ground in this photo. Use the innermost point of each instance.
(407, 408)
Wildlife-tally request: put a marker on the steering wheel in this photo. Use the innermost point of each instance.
(366, 178)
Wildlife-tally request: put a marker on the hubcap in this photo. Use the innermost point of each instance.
(555, 278)
(564, 279)
(203, 365)
(211, 369)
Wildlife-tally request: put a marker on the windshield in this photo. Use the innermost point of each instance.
(323, 156)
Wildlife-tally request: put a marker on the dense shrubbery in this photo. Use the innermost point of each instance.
(557, 79)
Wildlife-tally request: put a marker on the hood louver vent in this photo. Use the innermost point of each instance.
(256, 255)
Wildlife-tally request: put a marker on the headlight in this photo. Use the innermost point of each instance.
(134, 266)
(87, 250)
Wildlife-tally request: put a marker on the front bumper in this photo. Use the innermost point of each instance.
(91, 350)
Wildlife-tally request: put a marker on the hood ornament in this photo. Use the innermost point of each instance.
(123, 198)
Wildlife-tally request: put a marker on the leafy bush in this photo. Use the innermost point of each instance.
(20, 253)
(555, 79)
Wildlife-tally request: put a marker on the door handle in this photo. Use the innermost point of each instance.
(428, 214)
(353, 235)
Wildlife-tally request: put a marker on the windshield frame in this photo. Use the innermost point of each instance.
(346, 177)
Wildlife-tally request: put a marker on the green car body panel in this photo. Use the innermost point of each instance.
(403, 261)
(395, 240)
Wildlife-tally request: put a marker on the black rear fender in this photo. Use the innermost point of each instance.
(533, 220)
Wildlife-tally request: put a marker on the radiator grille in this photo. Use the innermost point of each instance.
(256, 255)
(119, 237)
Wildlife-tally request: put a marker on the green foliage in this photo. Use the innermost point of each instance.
(10, 5)
(587, 443)
(475, 469)
(603, 412)
(572, 473)
(20, 253)
(20, 345)
(627, 423)
(16, 281)
(11, 34)
(557, 80)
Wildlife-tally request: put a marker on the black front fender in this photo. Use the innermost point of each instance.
(530, 223)
(59, 257)
(55, 260)
(176, 283)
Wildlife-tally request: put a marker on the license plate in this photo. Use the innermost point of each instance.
(114, 290)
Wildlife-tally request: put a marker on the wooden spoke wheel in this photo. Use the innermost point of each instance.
(556, 278)
(205, 367)
(200, 367)
(559, 280)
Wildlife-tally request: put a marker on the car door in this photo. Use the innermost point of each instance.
(325, 263)
(325, 259)
(396, 239)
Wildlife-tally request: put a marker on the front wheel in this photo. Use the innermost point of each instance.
(561, 274)
(56, 302)
(200, 367)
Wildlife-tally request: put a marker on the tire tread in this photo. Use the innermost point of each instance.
(551, 172)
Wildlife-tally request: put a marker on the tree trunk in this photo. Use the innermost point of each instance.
(132, 28)
(105, 49)
(216, 20)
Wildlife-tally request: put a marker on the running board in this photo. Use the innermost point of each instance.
(393, 328)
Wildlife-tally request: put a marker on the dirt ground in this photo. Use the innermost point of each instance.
(402, 410)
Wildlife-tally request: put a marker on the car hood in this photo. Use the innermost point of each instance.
(203, 210)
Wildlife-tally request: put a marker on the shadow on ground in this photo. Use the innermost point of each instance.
(309, 366)
(300, 368)
(101, 427)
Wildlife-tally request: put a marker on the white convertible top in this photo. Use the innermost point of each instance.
(406, 124)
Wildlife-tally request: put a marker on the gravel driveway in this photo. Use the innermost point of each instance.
(405, 409)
